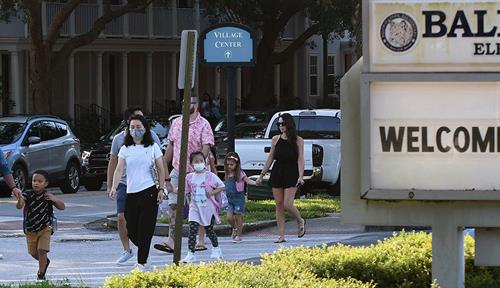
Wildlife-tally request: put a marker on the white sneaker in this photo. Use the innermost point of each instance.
(216, 253)
(1, 256)
(126, 255)
(142, 267)
(237, 239)
(190, 258)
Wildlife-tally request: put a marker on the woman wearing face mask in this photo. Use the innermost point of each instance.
(138, 154)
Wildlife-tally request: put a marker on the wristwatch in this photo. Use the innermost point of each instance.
(168, 179)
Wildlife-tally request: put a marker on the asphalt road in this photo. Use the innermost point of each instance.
(86, 257)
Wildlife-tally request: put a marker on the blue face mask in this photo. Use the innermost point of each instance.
(137, 133)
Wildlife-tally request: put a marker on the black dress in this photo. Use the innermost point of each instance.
(285, 172)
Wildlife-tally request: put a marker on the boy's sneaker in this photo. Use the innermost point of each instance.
(190, 258)
(216, 253)
(40, 276)
(237, 239)
(126, 255)
(142, 267)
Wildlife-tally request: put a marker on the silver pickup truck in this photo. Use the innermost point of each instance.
(321, 132)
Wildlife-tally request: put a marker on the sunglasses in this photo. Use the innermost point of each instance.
(280, 124)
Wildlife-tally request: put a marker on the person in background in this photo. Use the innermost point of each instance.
(201, 138)
(206, 109)
(202, 186)
(235, 180)
(38, 214)
(8, 178)
(121, 195)
(140, 155)
(287, 149)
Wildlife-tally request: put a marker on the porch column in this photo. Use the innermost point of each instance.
(173, 7)
(149, 83)
(217, 81)
(277, 83)
(71, 86)
(14, 84)
(238, 88)
(173, 75)
(295, 75)
(197, 15)
(150, 17)
(124, 101)
(100, 12)
(99, 79)
(1, 84)
(26, 81)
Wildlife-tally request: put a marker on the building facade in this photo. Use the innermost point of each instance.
(135, 62)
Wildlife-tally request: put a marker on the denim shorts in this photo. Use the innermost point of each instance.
(236, 203)
(121, 198)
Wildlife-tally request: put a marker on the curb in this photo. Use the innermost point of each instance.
(223, 230)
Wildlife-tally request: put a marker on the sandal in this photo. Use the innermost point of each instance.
(280, 239)
(164, 247)
(200, 248)
(302, 230)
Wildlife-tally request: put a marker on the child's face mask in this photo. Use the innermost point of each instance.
(199, 167)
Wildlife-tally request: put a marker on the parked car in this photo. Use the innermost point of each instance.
(258, 118)
(321, 132)
(38, 142)
(96, 156)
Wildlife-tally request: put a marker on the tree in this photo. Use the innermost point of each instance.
(269, 17)
(45, 60)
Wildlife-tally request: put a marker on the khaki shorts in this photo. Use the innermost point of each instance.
(172, 197)
(39, 240)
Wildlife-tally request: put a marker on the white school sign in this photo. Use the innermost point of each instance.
(435, 35)
(421, 126)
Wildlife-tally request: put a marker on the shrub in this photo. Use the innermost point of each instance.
(229, 275)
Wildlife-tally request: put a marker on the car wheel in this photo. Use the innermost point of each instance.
(93, 185)
(20, 176)
(71, 182)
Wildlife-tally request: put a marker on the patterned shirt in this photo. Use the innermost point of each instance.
(200, 133)
(38, 211)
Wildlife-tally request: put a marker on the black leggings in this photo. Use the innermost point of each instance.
(141, 209)
(193, 231)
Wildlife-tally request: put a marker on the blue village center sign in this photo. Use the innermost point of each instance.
(227, 44)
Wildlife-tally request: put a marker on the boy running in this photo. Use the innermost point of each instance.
(38, 214)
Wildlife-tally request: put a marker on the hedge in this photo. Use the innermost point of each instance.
(229, 275)
(403, 260)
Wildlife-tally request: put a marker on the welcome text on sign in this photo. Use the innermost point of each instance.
(419, 138)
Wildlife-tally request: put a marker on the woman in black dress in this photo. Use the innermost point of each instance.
(287, 153)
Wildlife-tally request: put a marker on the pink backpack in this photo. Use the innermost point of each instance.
(220, 201)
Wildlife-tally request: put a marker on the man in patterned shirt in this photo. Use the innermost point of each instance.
(201, 138)
(38, 212)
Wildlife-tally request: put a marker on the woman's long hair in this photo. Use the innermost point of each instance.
(237, 172)
(147, 140)
(291, 131)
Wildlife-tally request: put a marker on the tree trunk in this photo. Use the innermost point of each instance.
(325, 70)
(262, 75)
(41, 81)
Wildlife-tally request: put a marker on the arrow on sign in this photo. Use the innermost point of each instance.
(227, 54)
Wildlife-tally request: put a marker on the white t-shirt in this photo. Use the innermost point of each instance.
(139, 161)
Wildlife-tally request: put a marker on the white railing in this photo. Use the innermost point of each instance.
(115, 27)
(162, 22)
(138, 23)
(85, 16)
(52, 10)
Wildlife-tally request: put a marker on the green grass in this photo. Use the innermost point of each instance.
(256, 211)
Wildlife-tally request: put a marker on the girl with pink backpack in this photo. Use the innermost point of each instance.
(204, 191)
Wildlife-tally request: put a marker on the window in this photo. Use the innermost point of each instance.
(10, 132)
(331, 74)
(48, 130)
(313, 75)
(315, 127)
(62, 129)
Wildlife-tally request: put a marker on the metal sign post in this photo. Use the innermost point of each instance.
(187, 64)
(230, 45)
